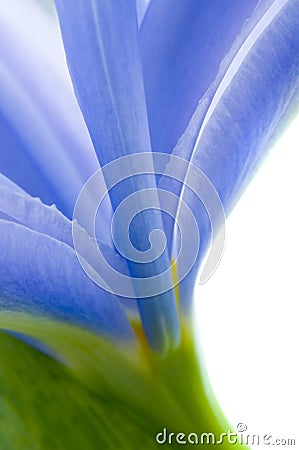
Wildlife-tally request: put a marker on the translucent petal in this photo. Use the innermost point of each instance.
(41, 121)
(16, 205)
(253, 96)
(183, 43)
(42, 275)
(101, 42)
(142, 6)
(20, 207)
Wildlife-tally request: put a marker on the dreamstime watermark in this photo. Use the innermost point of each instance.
(238, 437)
(185, 248)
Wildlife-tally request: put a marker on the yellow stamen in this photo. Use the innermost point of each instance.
(174, 271)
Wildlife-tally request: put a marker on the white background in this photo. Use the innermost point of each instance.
(248, 312)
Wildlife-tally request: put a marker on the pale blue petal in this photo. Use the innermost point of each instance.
(6, 182)
(38, 110)
(183, 43)
(252, 98)
(12, 150)
(16, 205)
(101, 42)
(41, 275)
(32, 213)
(142, 6)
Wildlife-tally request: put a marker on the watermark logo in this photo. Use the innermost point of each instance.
(241, 427)
(186, 240)
(239, 437)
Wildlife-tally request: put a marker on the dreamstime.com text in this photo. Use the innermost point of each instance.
(239, 437)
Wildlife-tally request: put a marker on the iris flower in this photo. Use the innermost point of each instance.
(210, 81)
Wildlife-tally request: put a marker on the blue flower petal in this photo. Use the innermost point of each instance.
(32, 213)
(39, 274)
(251, 100)
(101, 42)
(40, 122)
(183, 43)
(16, 205)
(6, 182)
(12, 150)
(142, 6)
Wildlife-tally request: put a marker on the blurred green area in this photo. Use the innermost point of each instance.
(43, 407)
(96, 394)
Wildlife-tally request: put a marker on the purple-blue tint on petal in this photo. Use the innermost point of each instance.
(183, 43)
(254, 95)
(101, 43)
(45, 146)
(141, 6)
(13, 149)
(31, 212)
(41, 275)
(17, 206)
(6, 182)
